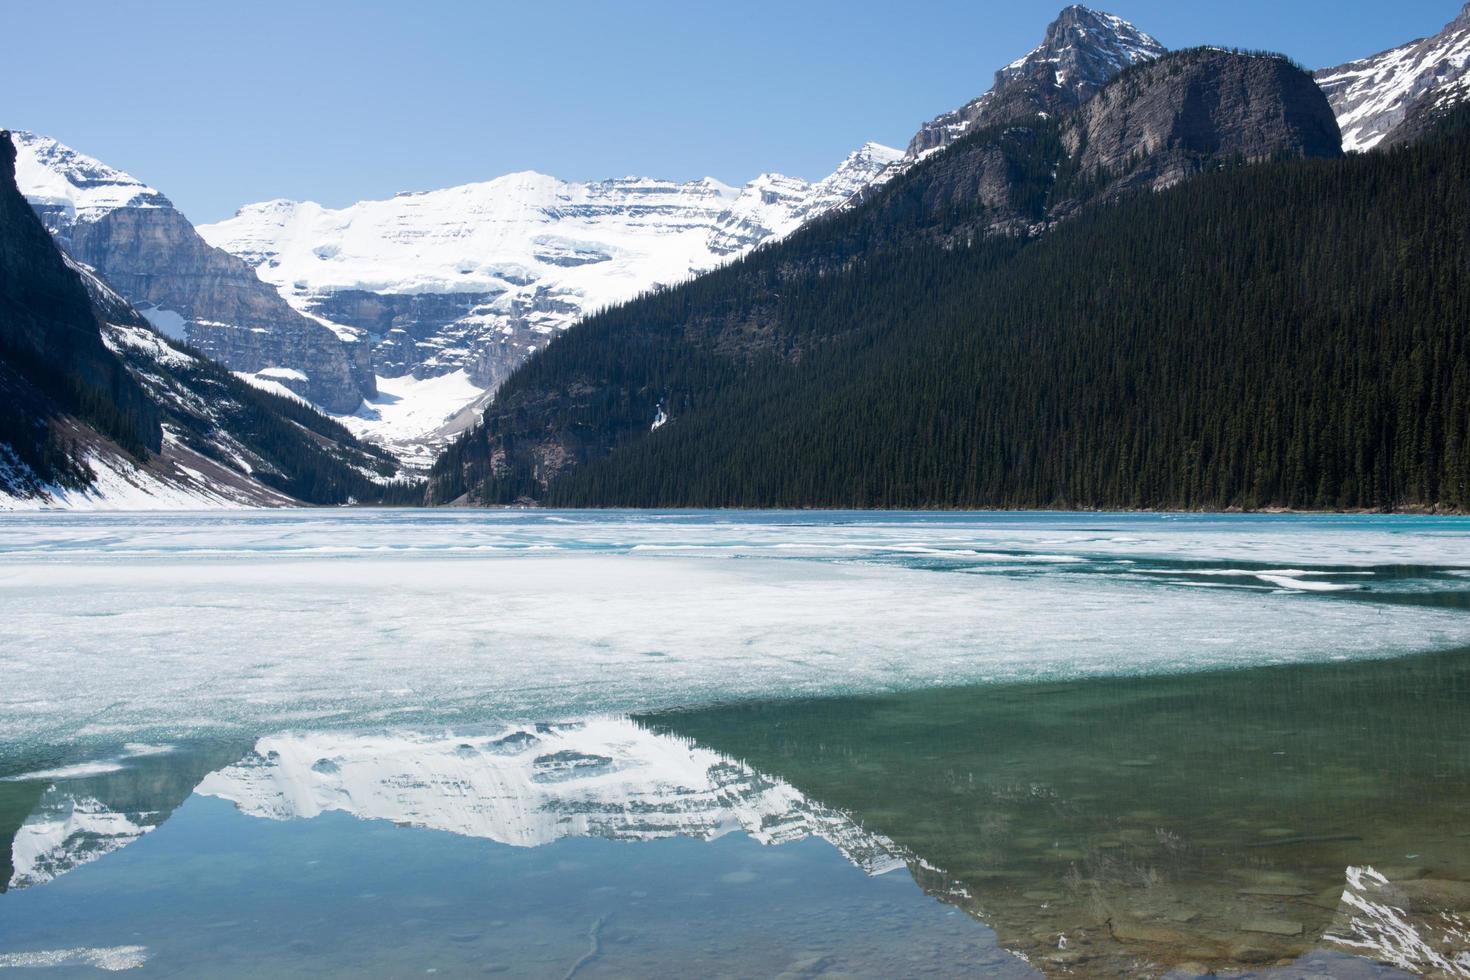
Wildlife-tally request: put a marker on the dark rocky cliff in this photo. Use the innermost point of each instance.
(88, 387)
(154, 258)
(1162, 122)
(150, 253)
(52, 358)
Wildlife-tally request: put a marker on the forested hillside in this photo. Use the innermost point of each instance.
(1285, 334)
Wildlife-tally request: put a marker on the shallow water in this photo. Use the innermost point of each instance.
(1210, 818)
(729, 744)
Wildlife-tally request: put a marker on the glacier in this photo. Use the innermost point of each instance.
(469, 281)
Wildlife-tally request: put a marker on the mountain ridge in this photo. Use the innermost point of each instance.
(1082, 50)
(1394, 96)
(134, 237)
(103, 411)
(893, 302)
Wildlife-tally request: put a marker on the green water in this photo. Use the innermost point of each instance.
(1180, 826)
(1132, 826)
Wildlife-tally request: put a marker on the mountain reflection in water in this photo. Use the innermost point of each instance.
(1268, 820)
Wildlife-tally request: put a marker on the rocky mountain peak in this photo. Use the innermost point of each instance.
(66, 187)
(148, 251)
(1081, 51)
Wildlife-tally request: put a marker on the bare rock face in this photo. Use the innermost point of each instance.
(150, 253)
(1392, 97)
(154, 258)
(1083, 50)
(1162, 122)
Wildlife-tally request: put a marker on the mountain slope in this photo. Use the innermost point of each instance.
(1082, 51)
(103, 411)
(1391, 97)
(1284, 334)
(466, 282)
(150, 253)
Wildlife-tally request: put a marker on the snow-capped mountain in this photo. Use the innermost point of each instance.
(102, 411)
(772, 206)
(1082, 51)
(531, 785)
(66, 187)
(425, 302)
(457, 287)
(145, 249)
(1387, 98)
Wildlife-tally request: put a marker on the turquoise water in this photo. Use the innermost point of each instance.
(543, 744)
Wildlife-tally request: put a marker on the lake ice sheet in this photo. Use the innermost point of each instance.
(163, 625)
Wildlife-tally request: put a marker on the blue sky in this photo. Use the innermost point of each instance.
(221, 104)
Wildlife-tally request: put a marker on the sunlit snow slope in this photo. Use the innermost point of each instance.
(471, 280)
(1381, 98)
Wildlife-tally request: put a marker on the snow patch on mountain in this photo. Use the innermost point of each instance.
(413, 417)
(1083, 50)
(54, 175)
(1374, 96)
(469, 281)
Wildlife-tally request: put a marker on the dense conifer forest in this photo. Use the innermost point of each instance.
(1292, 334)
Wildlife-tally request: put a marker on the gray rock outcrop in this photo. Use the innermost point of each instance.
(1160, 123)
(149, 252)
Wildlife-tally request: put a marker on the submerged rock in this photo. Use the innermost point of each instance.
(1273, 927)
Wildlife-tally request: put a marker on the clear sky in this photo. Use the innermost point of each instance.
(220, 104)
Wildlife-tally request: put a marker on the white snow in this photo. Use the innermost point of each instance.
(119, 336)
(364, 617)
(415, 413)
(627, 234)
(53, 175)
(282, 374)
(268, 383)
(122, 485)
(1374, 95)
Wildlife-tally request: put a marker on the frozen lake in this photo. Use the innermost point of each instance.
(664, 744)
(159, 626)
